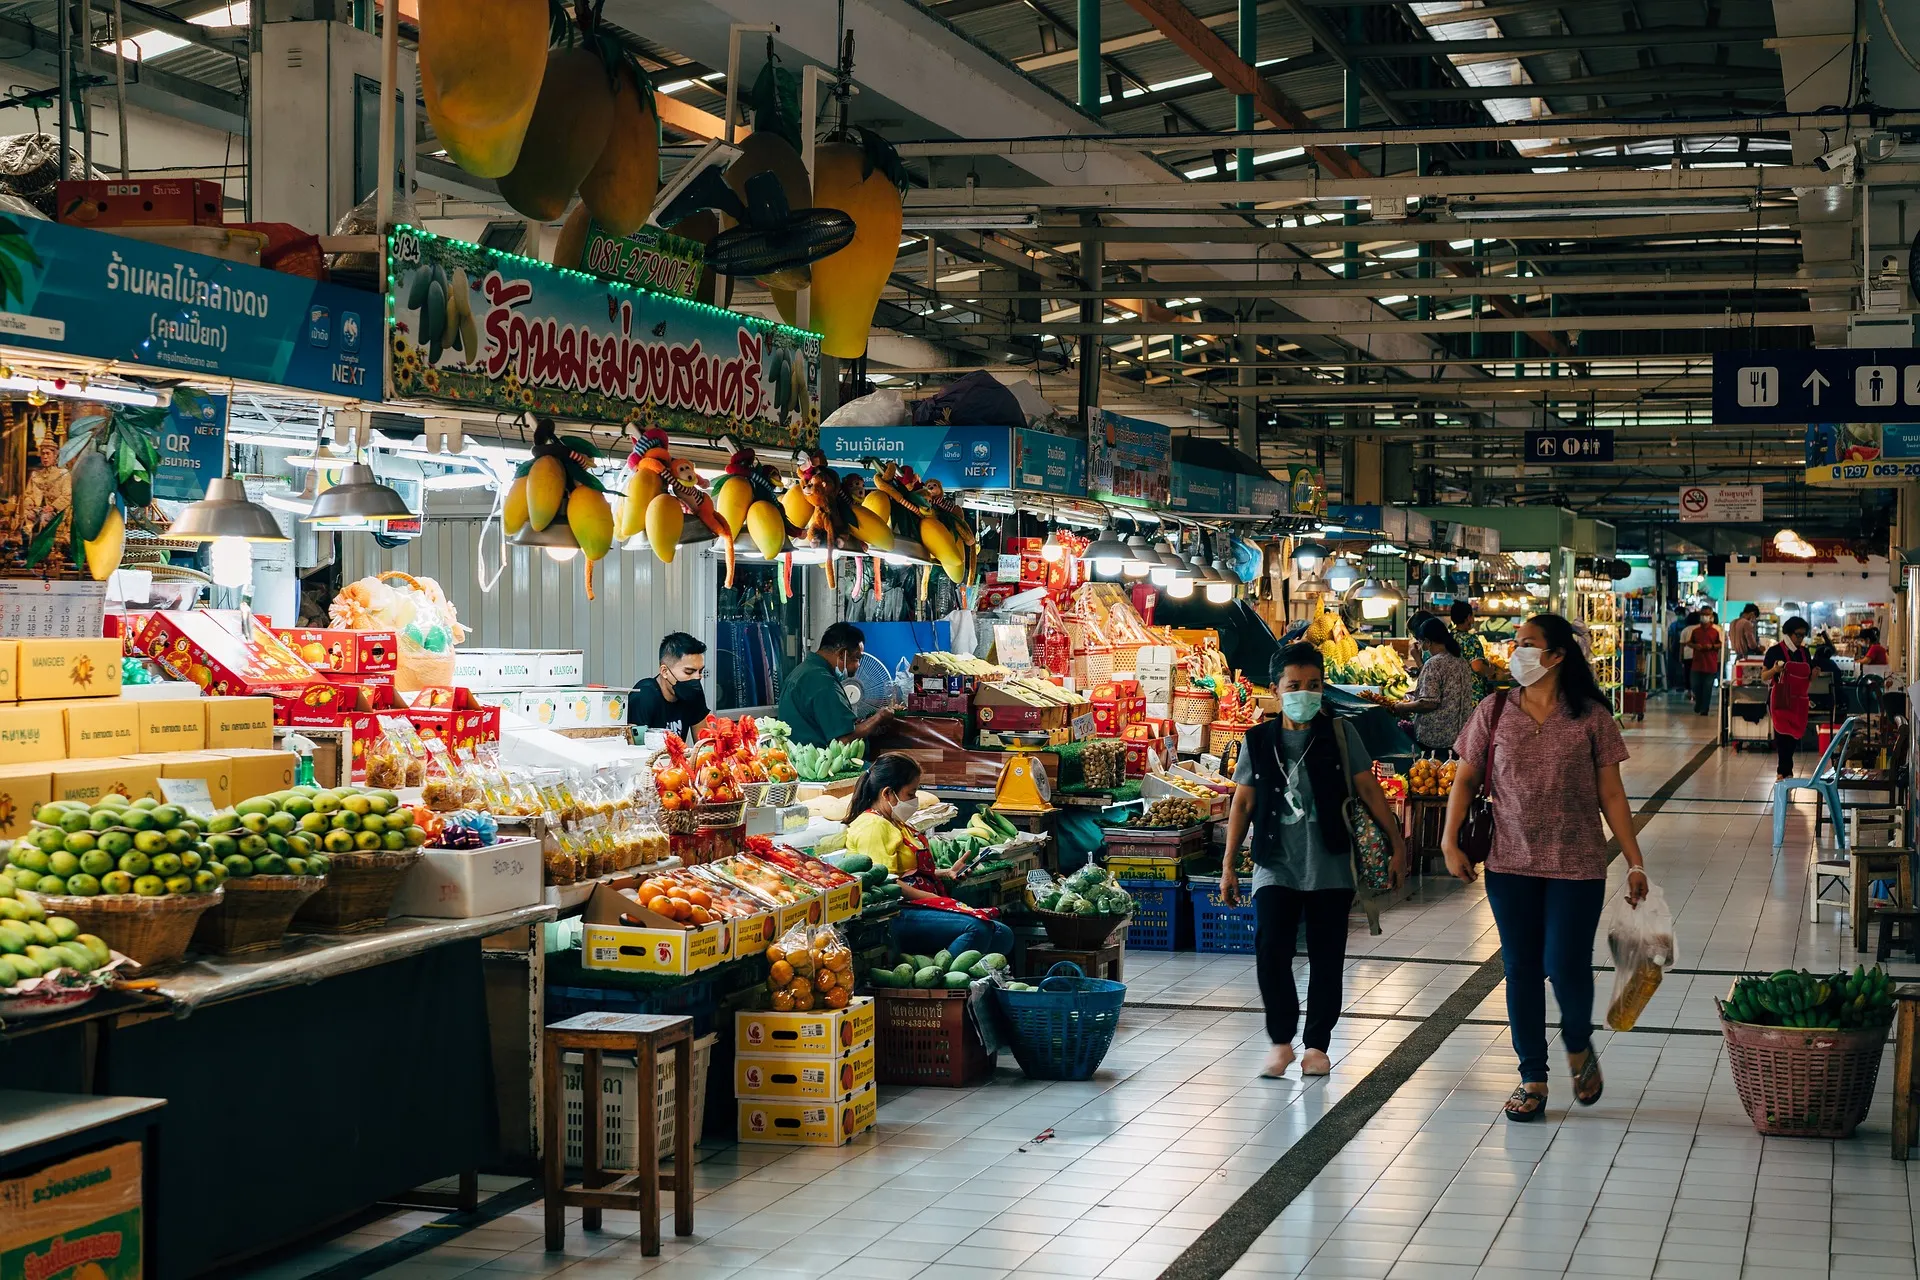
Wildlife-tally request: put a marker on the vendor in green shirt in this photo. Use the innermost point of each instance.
(814, 703)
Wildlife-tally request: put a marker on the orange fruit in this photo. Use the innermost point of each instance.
(660, 905)
(776, 953)
(801, 987)
(802, 1002)
(837, 998)
(699, 914)
(780, 973)
(783, 1002)
(823, 980)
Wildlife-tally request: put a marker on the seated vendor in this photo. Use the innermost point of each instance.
(673, 699)
(887, 795)
(814, 703)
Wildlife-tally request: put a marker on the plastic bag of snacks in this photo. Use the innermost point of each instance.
(810, 967)
(441, 787)
(396, 758)
(1641, 939)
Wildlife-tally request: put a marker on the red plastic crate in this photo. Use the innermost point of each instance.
(924, 1037)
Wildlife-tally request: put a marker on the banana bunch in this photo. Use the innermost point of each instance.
(823, 764)
(1797, 998)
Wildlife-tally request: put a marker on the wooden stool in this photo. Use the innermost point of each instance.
(1877, 863)
(645, 1036)
(1105, 962)
(1899, 927)
(1906, 1089)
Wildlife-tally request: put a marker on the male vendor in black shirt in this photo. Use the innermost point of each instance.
(674, 699)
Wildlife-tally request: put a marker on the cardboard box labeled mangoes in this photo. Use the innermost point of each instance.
(99, 727)
(78, 1217)
(32, 733)
(88, 780)
(23, 789)
(68, 668)
(256, 772)
(778, 1122)
(210, 767)
(9, 670)
(237, 722)
(818, 1079)
(175, 725)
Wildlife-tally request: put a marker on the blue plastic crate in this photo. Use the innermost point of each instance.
(1156, 915)
(1218, 929)
(694, 998)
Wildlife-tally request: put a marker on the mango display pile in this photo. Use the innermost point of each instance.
(284, 832)
(115, 845)
(1797, 998)
(1431, 777)
(34, 944)
(942, 969)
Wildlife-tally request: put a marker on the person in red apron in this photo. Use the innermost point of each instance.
(1789, 670)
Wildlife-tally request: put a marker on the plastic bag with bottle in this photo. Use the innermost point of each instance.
(1641, 940)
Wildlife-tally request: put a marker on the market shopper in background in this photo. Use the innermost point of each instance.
(1289, 790)
(1473, 650)
(1443, 697)
(888, 794)
(1789, 672)
(1555, 768)
(1743, 636)
(1679, 678)
(1704, 665)
(674, 698)
(814, 703)
(1873, 654)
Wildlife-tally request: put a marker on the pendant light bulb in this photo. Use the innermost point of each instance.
(1219, 592)
(1180, 589)
(230, 562)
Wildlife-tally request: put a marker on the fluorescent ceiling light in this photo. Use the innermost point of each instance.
(74, 388)
(979, 220)
(155, 44)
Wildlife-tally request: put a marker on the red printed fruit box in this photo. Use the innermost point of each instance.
(224, 662)
(454, 717)
(79, 1217)
(346, 652)
(161, 202)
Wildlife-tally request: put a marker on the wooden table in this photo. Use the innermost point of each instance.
(1870, 864)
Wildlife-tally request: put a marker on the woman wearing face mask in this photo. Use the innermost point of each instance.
(1789, 670)
(887, 794)
(1705, 663)
(1443, 698)
(1289, 789)
(1556, 755)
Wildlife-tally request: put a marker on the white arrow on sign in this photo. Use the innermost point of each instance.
(1818, 381)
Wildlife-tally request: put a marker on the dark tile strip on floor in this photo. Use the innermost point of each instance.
(431, 1235)
(1222, 1245)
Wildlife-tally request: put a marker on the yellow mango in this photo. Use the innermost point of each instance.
(104, 548)
(513, 513)
(591, 520)
(481, 67)
(847, 283)
(767, 527)
(941, 546)
(797, 505)
(880, 504)
(665, 516)
(732, 502)
(623, 181)
(546, 490)
(643, 486)
(872, 530)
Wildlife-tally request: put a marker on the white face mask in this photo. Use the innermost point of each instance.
(1525, 666)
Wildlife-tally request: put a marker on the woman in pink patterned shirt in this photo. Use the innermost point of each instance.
(1555, 770)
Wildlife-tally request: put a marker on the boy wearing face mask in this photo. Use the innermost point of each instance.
(673, 699)
(1289, 790)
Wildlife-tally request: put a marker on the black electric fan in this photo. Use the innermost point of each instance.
(774, 243)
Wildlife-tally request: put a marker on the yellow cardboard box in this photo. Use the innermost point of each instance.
(817, 1033)
(99, 727)
(69, 669)
(237, 722)
(654, 945)
(256, 773)
(9, 670)
(33, 733)
(816, 1079)
(783, 1122)
(23, 789)
(88, 780)
(214, 769)
(178, 724)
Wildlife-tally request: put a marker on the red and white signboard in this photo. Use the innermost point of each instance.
(1722, 503)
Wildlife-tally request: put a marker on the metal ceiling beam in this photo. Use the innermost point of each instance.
(232, 39)
(1673, 224)
(156, 90)
(1369, 286)
(1525, 46)
(1688, 79)
(1460, 388)
(1119, 44)
(1728, 319)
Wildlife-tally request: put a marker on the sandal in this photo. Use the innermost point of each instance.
(1588, 1084)
(1526, 1105)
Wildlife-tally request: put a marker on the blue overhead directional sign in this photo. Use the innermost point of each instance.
(1832, 384)
(1570, 444)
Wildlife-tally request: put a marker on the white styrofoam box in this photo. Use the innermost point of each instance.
(515, 668)
(559, 668)
(460, 884)
(1155, 687)
(622, 1115)
(572, 708)
(609, 707)
(541, 706)
(160, 691)
(476, 669)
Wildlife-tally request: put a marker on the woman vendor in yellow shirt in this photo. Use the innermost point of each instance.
(887, 795)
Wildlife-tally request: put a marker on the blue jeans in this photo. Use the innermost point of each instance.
(923, 931)
(1546, 932)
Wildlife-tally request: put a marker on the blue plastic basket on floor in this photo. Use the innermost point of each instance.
(1219, 929)
(1063, 1030)
(1156, 913)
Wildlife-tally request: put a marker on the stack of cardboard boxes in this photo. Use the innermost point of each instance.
(69, 732)
(805, 1079)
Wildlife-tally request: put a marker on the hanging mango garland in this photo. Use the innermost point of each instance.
(557, 484)
(481, 69)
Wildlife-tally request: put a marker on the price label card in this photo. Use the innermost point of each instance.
(190, 794)
(1010, 645)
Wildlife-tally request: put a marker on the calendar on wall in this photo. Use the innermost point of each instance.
(31, 607)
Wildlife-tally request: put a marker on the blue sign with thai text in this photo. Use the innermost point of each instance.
(193, 449)
(1202, 489)
(1262, 497)
(1047, 463)
(81, 292)
(958, 457)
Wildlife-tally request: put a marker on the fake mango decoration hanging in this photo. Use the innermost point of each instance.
(481, 69)
(572, 120)
(859, 174)
(620, 188)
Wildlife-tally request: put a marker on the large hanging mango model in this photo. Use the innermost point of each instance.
(513, 512)
(860, 175)
(546, 490)
(571, 123)
(665, 518)
(767, 526)
(620, 187)
(105, 547)
(481, 68)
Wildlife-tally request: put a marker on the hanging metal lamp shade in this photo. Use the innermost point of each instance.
(226, 512)
(358, 496)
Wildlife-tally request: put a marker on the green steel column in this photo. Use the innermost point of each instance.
(1243, 103)
(1479, 339)
(1088, 34)
(1423, 305)
(1350, 119)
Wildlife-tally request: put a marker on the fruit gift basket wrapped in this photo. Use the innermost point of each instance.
(417, 611)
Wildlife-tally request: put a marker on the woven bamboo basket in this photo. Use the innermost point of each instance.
(730, 814)
(358, 892)
(1096, 662)
(255, 913)
(1126, 659)
(1079, 933)
(1194, 706)
(679, 822)
(152, 931)
(1221, 735)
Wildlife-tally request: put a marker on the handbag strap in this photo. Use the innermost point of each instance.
(1486, 755)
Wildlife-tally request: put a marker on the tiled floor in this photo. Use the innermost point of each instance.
(1664, 1178)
